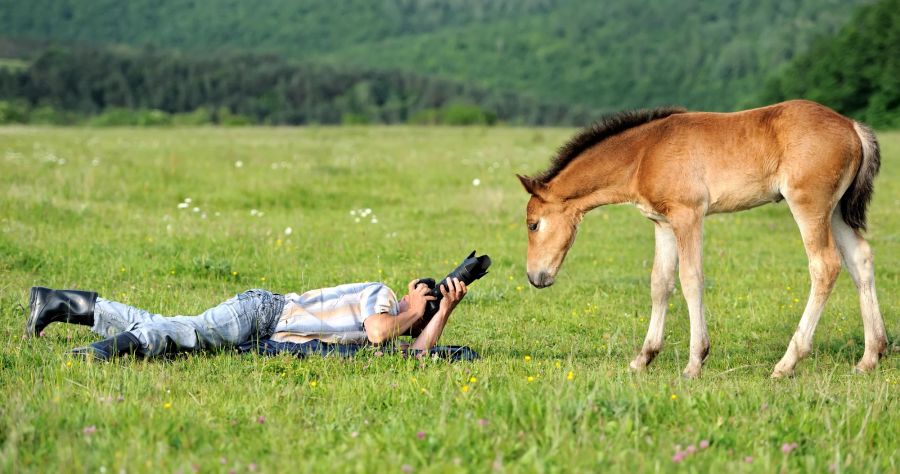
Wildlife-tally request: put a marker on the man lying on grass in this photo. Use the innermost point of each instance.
(328, 320)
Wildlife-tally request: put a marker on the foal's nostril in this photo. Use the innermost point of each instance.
(541, 280)
(545, 280)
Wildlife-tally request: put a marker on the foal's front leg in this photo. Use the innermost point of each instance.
(662, 282)
(688, 229)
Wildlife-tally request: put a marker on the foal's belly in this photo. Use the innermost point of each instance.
(737, 195)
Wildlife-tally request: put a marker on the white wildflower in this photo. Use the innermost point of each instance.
(95, 162)
(203, 216)
(476, 182)
(352, 212)
(182, 205)
(374, 220)
(188, 200)
(196, 209)
(288, 231)
(356, 220)
(253, 212)
(238, 164)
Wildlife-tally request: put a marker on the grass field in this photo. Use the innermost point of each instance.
(99, 209)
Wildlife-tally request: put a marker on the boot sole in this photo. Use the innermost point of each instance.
(32, 315)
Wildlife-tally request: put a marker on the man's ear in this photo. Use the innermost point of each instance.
(533, 186)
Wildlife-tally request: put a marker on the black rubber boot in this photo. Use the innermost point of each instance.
(68, 306)
(115, 346)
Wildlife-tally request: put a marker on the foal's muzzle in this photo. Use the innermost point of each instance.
(540, 280)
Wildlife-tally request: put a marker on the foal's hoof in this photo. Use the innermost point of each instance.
(867, 364)
(862, 370)
(637, 365)
(690, 374)
(782, 373)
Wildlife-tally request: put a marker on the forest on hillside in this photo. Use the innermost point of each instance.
(856, 71)
(605, 55)
(530, 62)
(150, 87)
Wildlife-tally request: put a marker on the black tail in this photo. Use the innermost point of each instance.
(855, 201)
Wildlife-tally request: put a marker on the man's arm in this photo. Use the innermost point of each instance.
(383, 327)
(432, 332)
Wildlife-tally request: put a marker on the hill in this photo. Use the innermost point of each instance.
(856, 71)
(619, 54)
(127, 86)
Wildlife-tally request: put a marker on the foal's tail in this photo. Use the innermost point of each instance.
(857, 197)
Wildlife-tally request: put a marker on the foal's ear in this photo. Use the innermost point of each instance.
(533, 186)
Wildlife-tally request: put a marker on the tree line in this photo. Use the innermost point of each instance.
(856, 71)
(116, 86)
(609, 55)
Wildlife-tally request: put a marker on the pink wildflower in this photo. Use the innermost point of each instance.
(786, 448)
(691, 449)
(704, 444)
(679, 456)
(420, 435)
(748, 459)
(89, 430)
(261, 419)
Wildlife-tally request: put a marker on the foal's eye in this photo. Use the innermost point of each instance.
(532, 226)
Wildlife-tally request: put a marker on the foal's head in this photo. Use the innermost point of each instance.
(551, 230)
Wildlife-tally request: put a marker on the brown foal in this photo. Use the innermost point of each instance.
(677, 167)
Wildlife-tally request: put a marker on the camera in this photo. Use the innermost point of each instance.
(471, 269)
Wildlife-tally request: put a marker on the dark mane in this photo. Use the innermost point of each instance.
(600, 130)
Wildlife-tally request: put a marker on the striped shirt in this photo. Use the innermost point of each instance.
(333, 315)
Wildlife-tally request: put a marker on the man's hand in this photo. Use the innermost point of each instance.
(417, 297)
(457, 291)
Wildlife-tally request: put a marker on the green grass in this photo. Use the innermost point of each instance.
(97, 209)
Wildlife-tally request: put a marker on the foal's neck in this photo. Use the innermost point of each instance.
(600, 175)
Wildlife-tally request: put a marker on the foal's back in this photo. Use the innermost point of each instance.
(728, 162)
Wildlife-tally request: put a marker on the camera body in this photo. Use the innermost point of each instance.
(471, 269)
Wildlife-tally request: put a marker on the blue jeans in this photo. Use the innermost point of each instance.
(249, 316)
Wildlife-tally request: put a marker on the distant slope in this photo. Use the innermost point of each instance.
(705, 55)
(611, 55)
(295, 28)
(262, 89)
(857, 71)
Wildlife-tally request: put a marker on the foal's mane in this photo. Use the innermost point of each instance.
(600, 130)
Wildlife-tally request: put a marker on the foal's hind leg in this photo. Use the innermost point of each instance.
(857, 257)
(824, 267)
(662, 282)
